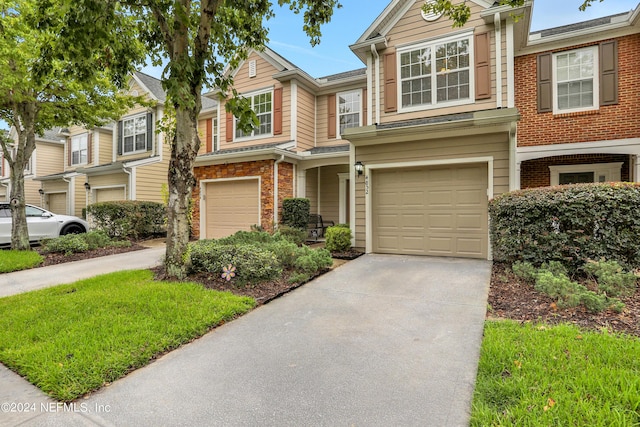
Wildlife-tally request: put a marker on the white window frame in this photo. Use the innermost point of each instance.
(80, 139)
(134, 118)
(434, 75)
(214, 132)
(595, 77)
(612, 172)
(252, 96)
(339, 114)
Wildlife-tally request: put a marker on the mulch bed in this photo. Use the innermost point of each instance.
(347, 255)
(57, 258)
(511, 298)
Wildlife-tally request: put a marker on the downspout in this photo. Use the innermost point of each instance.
(498, 25)
(72, 196)
(128, 172)
(374, 51)
(275, 190)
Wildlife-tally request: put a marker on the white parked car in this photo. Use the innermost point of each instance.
(41, 223)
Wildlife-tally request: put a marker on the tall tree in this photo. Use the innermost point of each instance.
(460, 13)
(41, 87)
(199, 39)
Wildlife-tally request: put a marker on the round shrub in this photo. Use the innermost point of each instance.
(295, 212)
(295, 235)
(129, 218)
(67, 244)
(338, 238)
(253, 264)
(570, 224)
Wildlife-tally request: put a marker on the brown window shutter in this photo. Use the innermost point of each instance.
(277, 111)
(209, 140)
(483, 66)
(365, 109)
(331, 116)
(545, 89)
(89, 148)
(69, 151)
(609, 73)
(120, 138)
(390, 84)
(229, 127)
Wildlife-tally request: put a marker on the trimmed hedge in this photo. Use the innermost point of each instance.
(571, 224)
(338, 238)
(129, 218)
(295, 212)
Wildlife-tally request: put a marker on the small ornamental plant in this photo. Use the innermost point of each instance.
(228, 272)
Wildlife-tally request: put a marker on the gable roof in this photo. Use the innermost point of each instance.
(154, 87)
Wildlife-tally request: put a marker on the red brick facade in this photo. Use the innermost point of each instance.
(535, 173)
(263, 169)
(618, 121)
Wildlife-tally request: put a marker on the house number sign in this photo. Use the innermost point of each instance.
(366, 184)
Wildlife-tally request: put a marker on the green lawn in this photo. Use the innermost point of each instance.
(535, 375)
(11, 260)
(71, 339)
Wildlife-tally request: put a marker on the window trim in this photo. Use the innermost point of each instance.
(146, 125)
(611, 171)
(86, 141)
(596, 81)
(252, 137)
(344, 92)
(467, 35)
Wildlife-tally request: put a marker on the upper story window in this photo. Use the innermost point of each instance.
(214, 132)
(436, 73)
(134, 134)
(349, 109)
(576, 80)
(79, 149)
(262, 105)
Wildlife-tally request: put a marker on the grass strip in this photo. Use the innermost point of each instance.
(538, 375)
(11, 260)
(72, 339)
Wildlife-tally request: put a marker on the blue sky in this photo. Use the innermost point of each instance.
(348, 23)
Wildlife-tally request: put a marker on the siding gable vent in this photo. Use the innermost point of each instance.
(253, 68)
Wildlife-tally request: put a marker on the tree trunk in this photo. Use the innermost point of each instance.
(19, 231)
(184, 149)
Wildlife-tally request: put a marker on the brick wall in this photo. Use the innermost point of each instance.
(261, 168)
(609, 122)
(535, 173)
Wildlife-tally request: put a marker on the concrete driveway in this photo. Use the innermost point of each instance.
(380, 341)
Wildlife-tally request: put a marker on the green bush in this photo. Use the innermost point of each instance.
(129, 218)
(295, 235)
(295, 212)
(525, 271)
(313, 260)
(611, 278)
(338, 238)
(570, 224)
(97, 239)
(67, 244)
(253, 264)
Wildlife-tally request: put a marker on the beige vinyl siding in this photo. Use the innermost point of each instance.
(312, 189)
(306, 120)
(31, 195)
(492, 145)
(149, 179)
(263, 81)
(105, 146)
(56, 186)
(322, 139)
(80, 195)
(202, 133)
(110, 180)
(330, 192)
(49, 158)
(412, 29)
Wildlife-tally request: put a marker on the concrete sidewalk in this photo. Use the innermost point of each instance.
(42, 277)
(380, 341)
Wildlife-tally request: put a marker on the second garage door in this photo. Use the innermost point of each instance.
(231, 206)
(58, 203)
(439, 211)
(109, 194)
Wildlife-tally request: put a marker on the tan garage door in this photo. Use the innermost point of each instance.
(231, 206)
(439, 211)
(109, 194)
(58, 203)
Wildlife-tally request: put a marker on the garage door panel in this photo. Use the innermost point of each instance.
(58, 203)
(109, 194)
(438, 211)
(231, 206)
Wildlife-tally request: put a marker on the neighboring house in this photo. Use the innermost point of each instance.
(46, 159)
(126, 160)
(578, 91)
(431, 119)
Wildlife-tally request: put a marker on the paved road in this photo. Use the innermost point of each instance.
(380, 341)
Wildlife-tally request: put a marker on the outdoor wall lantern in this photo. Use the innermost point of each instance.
(41, 191)
(359, 168)
(87, 186)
